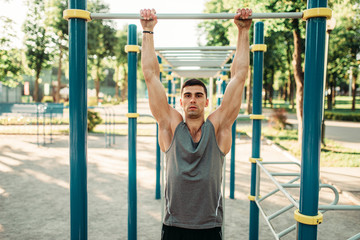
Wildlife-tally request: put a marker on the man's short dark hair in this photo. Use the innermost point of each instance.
(194, 82)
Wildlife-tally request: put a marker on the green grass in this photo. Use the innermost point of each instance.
(342, 104)
(332, 155)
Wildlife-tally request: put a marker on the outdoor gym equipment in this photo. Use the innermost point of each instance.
(77, 15)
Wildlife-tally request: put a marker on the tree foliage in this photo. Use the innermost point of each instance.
(10, 58)
(101, 43)
(37, 41)
(59, 28)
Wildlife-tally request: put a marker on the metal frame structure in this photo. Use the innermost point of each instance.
(200, 62)
(315, 16)
(195, 15)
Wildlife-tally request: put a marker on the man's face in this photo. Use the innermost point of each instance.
(193, 101)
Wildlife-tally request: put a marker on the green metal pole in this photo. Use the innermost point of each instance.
(78, 122)
(169, 90)
(256, 134)
(232, 161)
(173, 85)
(132, 192)
(312, 116)
(158, 155)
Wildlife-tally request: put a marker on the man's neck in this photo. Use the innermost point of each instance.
(194, 125)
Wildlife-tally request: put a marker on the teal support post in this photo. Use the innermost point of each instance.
(173, 85)
(218, 91)
(312, 116)
(256, 131)
(158, 155)
(78, 122)
(132, 192)
(169, 90)
(232, 161)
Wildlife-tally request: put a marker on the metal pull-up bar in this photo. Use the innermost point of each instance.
(196, 15)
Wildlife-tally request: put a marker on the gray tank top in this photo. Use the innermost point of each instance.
(194, 174)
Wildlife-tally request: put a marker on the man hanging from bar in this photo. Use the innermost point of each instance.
(194, 147)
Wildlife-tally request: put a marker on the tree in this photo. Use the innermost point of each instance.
(121, 64)
(10, 60)
(101, 43)
(37, 41)
(59, 28)
(344, 47)
(298, 29)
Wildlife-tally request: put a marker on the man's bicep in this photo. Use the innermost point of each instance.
(157, 99)
(231, 103)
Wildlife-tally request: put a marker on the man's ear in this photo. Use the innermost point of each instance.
(181, 102)
(207, 103)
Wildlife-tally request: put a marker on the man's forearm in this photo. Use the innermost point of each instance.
(149, 62)
(241, 59)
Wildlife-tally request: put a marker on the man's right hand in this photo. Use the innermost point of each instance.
(148, 19)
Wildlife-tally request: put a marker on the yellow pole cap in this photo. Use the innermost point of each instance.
(132, 48)
(308, 220)
(258, 48)
(224, 77)
(257, 116)
(253, 160)
(76, 13)
(132, 115)
(317, 12)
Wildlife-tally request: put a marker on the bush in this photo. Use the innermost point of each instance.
(354, 117)
(93, 120)
(47, 99)
(278, 118)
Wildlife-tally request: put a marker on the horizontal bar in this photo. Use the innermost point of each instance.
(278, 185)
(279, 212)
(286, 231)
(195, 54)
(195, 70)
(285, 174)
(204, 48)
(267, 221)
(203, 57)
(339, 207)
(355, 237)
(195, 15)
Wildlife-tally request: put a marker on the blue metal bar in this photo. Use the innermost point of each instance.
(132, 193)
(51, 109)
(256, 132)
(312, 116)
(173, 85)
(158, 155)
(78, 122)
(37, 123)
(232, 161)
(169, 90)
(44, 125)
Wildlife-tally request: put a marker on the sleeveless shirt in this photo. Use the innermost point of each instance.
(193, 196)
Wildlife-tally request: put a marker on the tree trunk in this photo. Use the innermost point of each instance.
(299, 80)
(57, 96)
(353, 87)
(124, 85)
(97, 81)
(36, 90)
(249, 93)
(329, 96)
(271, 89)
(117, 80)
(290, 80)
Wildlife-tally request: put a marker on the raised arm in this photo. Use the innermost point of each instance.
(226, 114)
(150, 66)
(167, 117)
